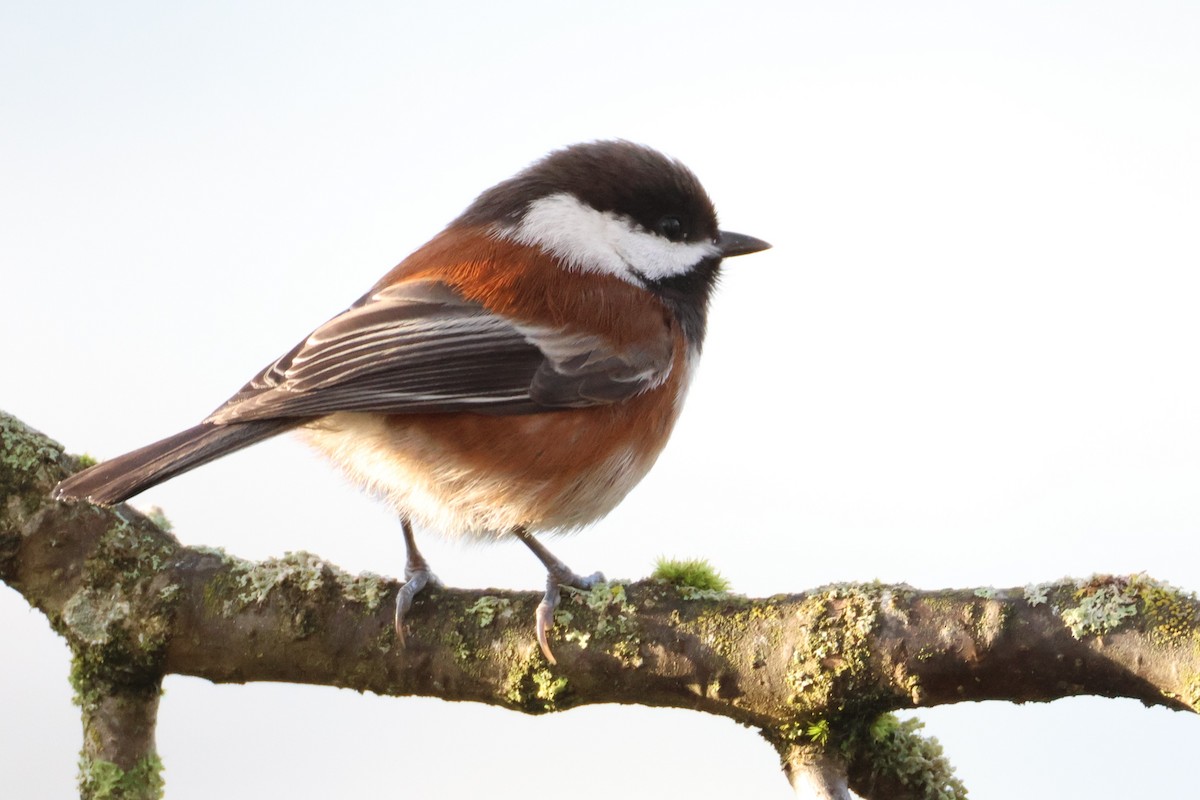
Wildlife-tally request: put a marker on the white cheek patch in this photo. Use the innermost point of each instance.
(601, 241)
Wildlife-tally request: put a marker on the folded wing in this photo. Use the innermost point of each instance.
(421, 347)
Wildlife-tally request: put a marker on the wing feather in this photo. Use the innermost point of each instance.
(421, 347)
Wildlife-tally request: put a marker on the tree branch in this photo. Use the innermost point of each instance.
(812, 671)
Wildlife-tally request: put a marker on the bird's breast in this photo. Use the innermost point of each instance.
(478, 475)
(483, 475)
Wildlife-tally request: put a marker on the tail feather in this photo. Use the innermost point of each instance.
(124, 476)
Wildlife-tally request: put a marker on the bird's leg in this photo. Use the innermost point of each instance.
(559, 574)
(416, 575)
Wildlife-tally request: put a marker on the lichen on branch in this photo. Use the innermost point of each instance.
(817, 672)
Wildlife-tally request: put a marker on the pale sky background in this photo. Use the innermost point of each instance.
(970, 359)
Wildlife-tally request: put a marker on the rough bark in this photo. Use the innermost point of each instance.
(816, 672)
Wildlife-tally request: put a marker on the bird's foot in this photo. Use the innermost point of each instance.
(545, 611)
(417, 576)
(414, 581)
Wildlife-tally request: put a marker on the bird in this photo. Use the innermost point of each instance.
(518, 374)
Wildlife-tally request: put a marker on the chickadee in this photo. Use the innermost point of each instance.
(519, 373)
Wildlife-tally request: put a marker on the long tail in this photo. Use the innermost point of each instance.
(124, 476)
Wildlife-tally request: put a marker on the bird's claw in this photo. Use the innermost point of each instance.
(416, 580)
(545, 610)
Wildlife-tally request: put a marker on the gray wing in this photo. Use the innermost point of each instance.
(421, 347)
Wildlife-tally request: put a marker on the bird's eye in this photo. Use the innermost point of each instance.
(672, 228)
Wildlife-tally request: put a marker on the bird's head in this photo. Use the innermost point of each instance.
(619, 208)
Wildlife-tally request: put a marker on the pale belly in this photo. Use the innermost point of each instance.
(481, 477)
